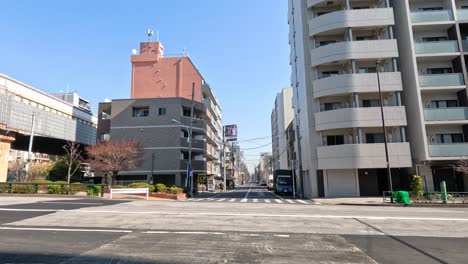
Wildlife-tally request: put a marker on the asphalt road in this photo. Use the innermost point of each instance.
(47, 230)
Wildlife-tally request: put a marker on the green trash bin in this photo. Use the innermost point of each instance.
(401, 197)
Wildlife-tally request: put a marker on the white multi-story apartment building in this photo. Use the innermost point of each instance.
(340, 52)
(281, 116)
(432, 36)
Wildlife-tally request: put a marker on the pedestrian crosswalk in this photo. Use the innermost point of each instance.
(251, 200)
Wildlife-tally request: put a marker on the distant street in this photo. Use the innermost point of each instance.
(249, 193)
(57, 230)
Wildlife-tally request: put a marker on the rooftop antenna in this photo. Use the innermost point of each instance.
(149, 32)
(184, 52)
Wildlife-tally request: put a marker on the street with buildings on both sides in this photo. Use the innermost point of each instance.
(218, 229)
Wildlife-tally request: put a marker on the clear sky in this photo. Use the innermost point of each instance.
(240, 47)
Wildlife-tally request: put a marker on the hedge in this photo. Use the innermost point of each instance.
(142, 185)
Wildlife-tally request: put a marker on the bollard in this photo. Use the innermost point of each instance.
(443, 189)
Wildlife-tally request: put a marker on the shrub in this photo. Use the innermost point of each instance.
(42, 181)
(117, 187)
(71, 188)
(23, 188)
(416, 187)
(93, 190)
(3, 188)
(142, 185)
(54, 189)
(60, 182)
(160, 187)
(175, 190)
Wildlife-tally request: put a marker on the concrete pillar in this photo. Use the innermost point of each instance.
(350, 34)
(347, 5)
(353, 67)
(5, 143)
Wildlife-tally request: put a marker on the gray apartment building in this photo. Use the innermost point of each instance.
(161, 125)
(342, 51)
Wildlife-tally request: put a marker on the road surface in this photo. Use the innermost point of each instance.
(48, 230)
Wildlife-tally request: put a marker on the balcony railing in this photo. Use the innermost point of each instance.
(436, 80)
(446, 114)
(462, 14)
(448, 46)
(431, 16)
(448, 150)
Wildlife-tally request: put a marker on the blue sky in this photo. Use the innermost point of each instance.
(240, 47)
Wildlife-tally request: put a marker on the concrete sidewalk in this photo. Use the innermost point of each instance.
(352, 201)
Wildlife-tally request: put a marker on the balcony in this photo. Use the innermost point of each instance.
(361, 156)
(369, 49)
(360, 117)
(449, 46)
(448, 150)
(441, 80)
(357, 83)
(431, 16)
(446, 114)
(374, 17)
(462, 14)
(197, 144)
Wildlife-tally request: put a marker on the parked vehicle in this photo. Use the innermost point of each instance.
(270, 182)
(282, 181)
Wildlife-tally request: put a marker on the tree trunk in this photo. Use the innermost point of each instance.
(68, 174)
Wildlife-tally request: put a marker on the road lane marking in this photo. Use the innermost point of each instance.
(267, 200)
(220, 200)
(281, 235)
(289, 201)
(31, 210)
(66, 229)
(272, 215)
(304, 202)
(278, 201)
(248, 192)
(69, 203)
(255, 200)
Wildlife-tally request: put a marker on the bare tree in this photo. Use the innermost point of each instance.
(73, 157)
(114, 156)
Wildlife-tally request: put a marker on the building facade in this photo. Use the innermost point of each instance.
(432, 36)
(56, 121)
(160, 107)
(281, 116)
(339, 60)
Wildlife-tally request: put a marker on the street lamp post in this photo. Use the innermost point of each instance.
(389, 171)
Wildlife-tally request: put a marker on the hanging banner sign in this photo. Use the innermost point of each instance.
(230, 132)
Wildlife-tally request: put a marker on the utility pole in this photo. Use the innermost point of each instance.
(224, 157)
(190, 169)
(31, 139)
(389, 171)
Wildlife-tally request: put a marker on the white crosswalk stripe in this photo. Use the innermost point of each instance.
(255, 200)
(232, 200)
(267, 200)
(278, 201)
(220, 200)
(304, 202)
(244, 200)
(289, 201)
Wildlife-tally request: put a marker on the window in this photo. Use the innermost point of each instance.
(140, 111)
(327, 74)
(367, 70)
(334, 140)
(162, 111)
(375, 138)
(448, 138)
(371, 103)
(439, 70)
(361, 7)
(432, 39)
(323, 13)
(444, 103)
(324, 43)
(331, 106)
(105, 137)
(186, 112)
(430, 8)
(358, 38)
